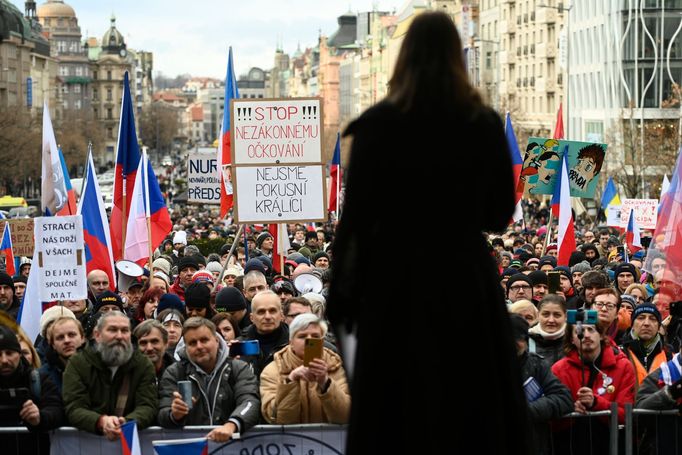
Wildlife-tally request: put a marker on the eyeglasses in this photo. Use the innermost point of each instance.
(608, 306)
(525, 287)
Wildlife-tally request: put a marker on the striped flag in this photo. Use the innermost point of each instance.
(196, 446)
(54, 194)
(130, 441)
(225, 145)
(6, 248)
(70, 206)
(517, 164)
(335, 173)
(632, 235)
(561, 208)
(610, 196)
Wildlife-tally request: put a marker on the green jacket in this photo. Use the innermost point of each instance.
(90, 392)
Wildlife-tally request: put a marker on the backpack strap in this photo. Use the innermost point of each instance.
(122, 396)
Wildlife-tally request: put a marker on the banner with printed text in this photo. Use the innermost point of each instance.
(646, 211)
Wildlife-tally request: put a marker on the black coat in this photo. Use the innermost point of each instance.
(397, 158)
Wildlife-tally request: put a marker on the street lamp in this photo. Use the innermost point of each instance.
(563, 9)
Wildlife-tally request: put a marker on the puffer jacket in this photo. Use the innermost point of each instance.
(229, 392)
(285, 402)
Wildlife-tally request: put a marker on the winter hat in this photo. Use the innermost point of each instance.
(565, 271)
(576, 257)
(20, 279)
(107, 298)
(197, 295)
(638, 256)
(538, 277)
(646, 308)
(261, 238)
(519, 327)
(267, 262)
(515, 264)
(229, 299)
(234, 271)
(522, 255)
(581, 267)
(51, 314)
(9, 340)
(170, 301)
(625, 268)
(318, 255)
(202, 276)
(214, 267)
(551, 247)
(629, 299)
(254, 264)
(518, 277)
(506, 254)
(551, 260)
(533, 261)
(6, 280)
(162, 264)
(298, 258)
(542, 230)
(187, 261)
(180, 237)
(225, 249)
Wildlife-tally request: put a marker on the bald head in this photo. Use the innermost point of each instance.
(266, 312)
(98, 281)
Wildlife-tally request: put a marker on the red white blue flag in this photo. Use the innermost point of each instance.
(561, 208)
(225, 147)
(632, 236)
(70, 205)
(98, 254)
(335, 173)
(6, 249)
(127, 160)
(53, 195)
(130, 441)
(517, 164)
(196, 446)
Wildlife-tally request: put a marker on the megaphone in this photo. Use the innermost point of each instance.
(307, 282)
(128, 271)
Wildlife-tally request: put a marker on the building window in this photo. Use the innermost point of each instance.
(78, 104)
(63, 70)
(66, 104)
(110, 115)
(94, 75)
(110, 133)
(96, 112)
(109, 96)
(79, 71)
(65, 88)
(108, 75)
(95, 94)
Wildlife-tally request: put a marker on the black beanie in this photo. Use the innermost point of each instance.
(9, 340)
(518, 277)
(197, 295)
(576, 257)
(519, 327)
(108, 298)
(188, 261)
(626, 267)
(261, 238)
(229, 299)
(20, 279)
(538, 277)
(6, 280)
(565, 271)
(318, 255)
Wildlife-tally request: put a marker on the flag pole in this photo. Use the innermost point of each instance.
(280, 227)
(549, 231)
(230, 254)
(149, 239)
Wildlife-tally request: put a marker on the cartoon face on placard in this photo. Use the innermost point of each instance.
(543, 159)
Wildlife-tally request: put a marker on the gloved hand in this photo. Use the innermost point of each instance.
(675, 389)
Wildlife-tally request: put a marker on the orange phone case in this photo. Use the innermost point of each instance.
(312, 350)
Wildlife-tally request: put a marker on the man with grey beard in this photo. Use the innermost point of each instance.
(110, 382)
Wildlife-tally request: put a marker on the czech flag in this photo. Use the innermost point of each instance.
(53, 189)
(127, 160)
(517, 164)
(224, 147)
(559, 128)
(561, 208)
(668, 237)
(98, 254)
(196, 446)
(70, 206)
(6, 248)
(610, 196)
(130, 441)
(335, 173)
(147, 203)
(632, 237)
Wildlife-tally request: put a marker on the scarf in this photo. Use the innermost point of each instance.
(548, 336)
(671, 371)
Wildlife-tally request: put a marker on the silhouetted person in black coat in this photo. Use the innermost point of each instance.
(428, 139)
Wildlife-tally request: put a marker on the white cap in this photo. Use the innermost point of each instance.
(180, 237)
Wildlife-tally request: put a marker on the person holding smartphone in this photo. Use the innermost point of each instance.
(293, 392)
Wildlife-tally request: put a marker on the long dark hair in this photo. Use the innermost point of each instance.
(430, 72)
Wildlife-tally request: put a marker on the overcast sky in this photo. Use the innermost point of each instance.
(192, 36)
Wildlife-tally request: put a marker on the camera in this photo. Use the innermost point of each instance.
(584, 316)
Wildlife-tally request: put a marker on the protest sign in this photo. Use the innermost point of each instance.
(61, 258)
(279, 194)
(276, 131)
(646, 211)
(203, 183)
(22, 237)
(542, 160)
(613, 216)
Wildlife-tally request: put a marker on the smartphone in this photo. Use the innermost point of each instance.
(14, 397)
(248, 347)
(585, 316)
(554, 282)
(312, 350)
(185, 389)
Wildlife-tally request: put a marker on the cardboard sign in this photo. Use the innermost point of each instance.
(646, 212)
(613, 216)
(276, 131)
(61, 258)
(542, 160)
(279, 194)
(203, 183)
(22, 237)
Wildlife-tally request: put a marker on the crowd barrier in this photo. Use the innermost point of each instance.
(259, 440)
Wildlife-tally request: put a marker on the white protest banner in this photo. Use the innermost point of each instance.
(276, 131)
(613, 216)
(203, 183)
(646, 211)
(279, 194)
(61, 258)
